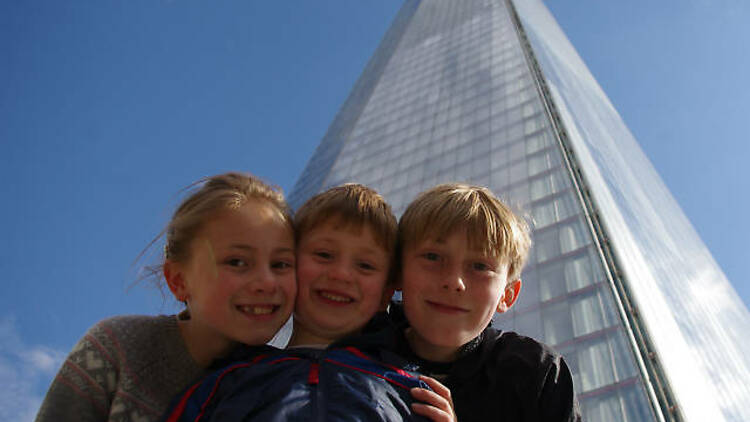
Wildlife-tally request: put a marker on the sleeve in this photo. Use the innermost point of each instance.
(557, 400)
(84, 387)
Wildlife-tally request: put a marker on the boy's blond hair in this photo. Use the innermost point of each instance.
(491, 227)
(350, 205)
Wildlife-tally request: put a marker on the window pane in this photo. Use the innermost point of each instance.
(551, 281)
(587, 315)
(595, 366)
(544, 214)
(529, 324)
(557, 324)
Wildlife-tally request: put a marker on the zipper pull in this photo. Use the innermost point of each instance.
(312, 377)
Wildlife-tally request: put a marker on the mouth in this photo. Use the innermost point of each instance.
(334, 297)
(257, 310)
(444, 308)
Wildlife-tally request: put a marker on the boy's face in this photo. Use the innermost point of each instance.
(341, 277)
(450, 294)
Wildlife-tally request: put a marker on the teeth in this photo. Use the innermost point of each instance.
(335, 298)
(257, 310)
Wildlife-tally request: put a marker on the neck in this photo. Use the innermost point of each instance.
(203, 344)
(302, 336)
(429, 351)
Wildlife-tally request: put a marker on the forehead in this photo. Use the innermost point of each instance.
(476, 240)
(359, 237)
(247, 221)
(338, 223)
(334, 225)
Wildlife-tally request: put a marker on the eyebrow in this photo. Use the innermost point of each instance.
(251, 248)
(242, 246)
(372, 251)
(366, 250)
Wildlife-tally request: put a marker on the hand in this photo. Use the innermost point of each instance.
(436, 404)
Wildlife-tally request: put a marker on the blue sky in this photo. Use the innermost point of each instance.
(109, 108)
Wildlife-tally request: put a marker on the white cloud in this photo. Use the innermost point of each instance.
(45, 359)
(25, 373)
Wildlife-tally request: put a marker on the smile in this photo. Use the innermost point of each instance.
(334, 297)
(257, 309)
(448, 309)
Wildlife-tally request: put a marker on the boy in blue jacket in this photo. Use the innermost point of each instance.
(346, 239)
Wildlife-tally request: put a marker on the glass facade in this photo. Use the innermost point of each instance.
(491, 92)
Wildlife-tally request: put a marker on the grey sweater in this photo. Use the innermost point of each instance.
(125, 368)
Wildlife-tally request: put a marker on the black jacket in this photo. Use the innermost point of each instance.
(500, 376)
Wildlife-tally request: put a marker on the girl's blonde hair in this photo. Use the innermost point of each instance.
(223, 191)
(209, 196)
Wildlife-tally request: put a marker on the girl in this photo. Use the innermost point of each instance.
(229, 257)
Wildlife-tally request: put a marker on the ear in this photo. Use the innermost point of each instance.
(512, 290)
(175, 278)
(385, 300)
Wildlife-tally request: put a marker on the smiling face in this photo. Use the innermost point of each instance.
(341, 276)
(450, 293)
(239, 281)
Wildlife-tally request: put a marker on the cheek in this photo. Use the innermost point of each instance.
(409, 279)
(375, 288)
(417, 283)
(289, 284)
(490, 297)
(307, 270)
(225, 285)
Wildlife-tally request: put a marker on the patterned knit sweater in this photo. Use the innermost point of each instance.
(125, 368)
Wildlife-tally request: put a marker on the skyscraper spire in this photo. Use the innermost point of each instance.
(491, 92)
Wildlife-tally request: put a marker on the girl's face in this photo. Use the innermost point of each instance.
(239, 279)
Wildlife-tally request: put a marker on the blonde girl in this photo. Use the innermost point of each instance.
(229, 257)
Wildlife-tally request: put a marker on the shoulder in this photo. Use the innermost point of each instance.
(135, 339)
(107, 334)
(512, 352)
(514, 344)
(134, 325)
(134, 328)
(531, 371)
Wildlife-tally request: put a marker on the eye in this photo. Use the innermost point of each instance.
(282, 265)
(431, 256)
(323, 255)
(480, 266)
(236, 262)
(485, 267)
(366, 266)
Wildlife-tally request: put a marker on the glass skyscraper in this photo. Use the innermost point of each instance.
(491, 92)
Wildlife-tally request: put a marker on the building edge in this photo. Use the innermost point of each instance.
(329, 148)
(656, 383)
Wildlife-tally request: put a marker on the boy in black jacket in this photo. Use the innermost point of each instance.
(461, 252)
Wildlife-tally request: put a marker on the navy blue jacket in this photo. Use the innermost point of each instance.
(333, 384)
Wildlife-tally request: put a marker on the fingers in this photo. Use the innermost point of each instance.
(437, 387)
(437, 404)
(432, 413)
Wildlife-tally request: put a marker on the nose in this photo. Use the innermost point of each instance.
(454, 280)
(340, 271)
(264, 281)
